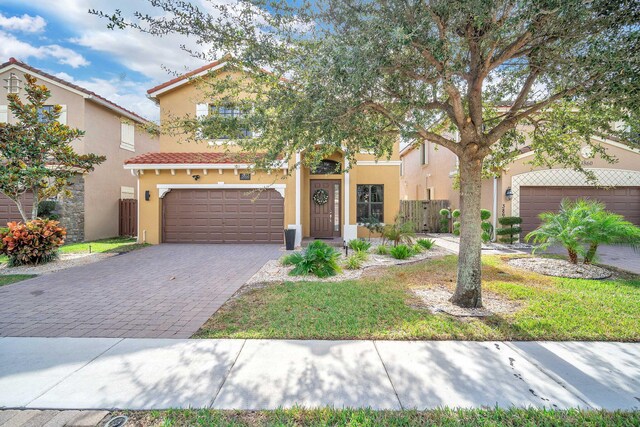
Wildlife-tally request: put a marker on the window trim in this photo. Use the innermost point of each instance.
(369, 203)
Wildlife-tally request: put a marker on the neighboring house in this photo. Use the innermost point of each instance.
(525, 191)
(198, 193)
(92, 210)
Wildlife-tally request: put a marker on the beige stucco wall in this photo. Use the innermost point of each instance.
(102, 186)
(436, 174)
(102, 136)
(626, 160)
(73, 102)
(150, 212)
(182, 101)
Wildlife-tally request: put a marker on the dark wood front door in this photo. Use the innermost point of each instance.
(325, 217)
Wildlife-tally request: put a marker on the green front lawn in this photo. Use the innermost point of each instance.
(13, 278)
(382, 307)
(368, 417)
(112, 245)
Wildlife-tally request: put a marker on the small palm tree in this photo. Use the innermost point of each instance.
(565, 228)
(606, 228)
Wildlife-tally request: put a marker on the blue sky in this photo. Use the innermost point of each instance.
(62, 38)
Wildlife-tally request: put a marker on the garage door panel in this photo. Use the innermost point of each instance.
(223, 216)
(9, 211)
(535, 200)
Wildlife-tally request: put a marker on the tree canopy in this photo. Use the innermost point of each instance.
(467, 75)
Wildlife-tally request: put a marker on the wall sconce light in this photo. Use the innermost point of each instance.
(196, 177)
(147, 195)
(508, 194)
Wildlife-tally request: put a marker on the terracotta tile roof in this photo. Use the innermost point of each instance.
(189, 74)
(190, 158)
(14, 61)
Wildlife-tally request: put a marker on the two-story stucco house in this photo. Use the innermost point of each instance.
(526, 191)
(110, 130)
(202, 193)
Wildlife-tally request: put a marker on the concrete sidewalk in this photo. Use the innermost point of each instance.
(106, 373)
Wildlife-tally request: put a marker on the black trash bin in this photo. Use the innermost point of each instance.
(290, 238)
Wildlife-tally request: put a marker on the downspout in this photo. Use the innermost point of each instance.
(495, 207)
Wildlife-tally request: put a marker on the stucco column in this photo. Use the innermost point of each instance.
(298, 220)
(350, 231)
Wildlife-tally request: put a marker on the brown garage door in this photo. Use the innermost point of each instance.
(9, 211)
(223, 216)
(534, 200)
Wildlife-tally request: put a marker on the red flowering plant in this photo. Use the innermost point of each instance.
(34, 242)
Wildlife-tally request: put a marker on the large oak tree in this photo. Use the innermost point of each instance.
(467, 75)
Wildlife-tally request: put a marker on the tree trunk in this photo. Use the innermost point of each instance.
(34, 207)
(573, 256)
(591, 253)
(468, 286)
(20, 209)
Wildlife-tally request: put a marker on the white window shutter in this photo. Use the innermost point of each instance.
(202, 110)
(426, 153)
(4, 114)
(63, 115)
(127, 136)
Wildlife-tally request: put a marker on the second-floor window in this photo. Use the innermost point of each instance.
(13, 83)
(230, 113)
(44, 113)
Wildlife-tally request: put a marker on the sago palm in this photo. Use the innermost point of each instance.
(565, 228)
(606, 228)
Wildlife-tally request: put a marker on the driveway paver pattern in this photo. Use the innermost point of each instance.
(163, 291)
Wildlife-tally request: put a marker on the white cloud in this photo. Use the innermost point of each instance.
(12, 46)
(24, 23)
(146, 54)
(125, 93)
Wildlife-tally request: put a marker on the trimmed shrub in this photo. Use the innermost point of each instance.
(46, 210)
(425, 243)
(382, 250)
(417, 249)
(319, 259)
(401, 252)
(508, 233)
(487, 227)
(34, 242)
(359, 245)
(445, 215)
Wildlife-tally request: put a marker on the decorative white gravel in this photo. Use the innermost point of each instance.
(64, 261)
(560, 268)
(273, 271)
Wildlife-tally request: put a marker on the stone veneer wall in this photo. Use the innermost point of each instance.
(71, 210)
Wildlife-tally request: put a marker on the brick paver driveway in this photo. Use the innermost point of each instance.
(164, 291)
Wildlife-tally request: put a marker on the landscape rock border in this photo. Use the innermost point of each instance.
(274, 272)
(560, 268)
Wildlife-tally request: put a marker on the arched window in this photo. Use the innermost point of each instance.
(326, 167)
